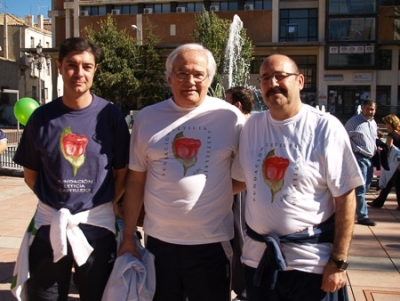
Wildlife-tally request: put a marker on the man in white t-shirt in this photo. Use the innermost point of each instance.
(300, 175)
(180, 160)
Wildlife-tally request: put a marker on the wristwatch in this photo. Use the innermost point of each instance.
(340, 264)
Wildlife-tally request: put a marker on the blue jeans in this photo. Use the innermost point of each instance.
(367, 171)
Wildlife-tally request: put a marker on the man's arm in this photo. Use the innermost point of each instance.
(3, 146)
(119, 184)
(30, 177)
(333, 278)
(131, 204)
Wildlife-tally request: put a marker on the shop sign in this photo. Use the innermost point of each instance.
(333, 77)
(362, 77)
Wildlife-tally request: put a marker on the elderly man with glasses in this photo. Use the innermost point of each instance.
(180, 162)
(300, 175)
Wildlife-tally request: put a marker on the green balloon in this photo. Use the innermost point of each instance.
(24, 108)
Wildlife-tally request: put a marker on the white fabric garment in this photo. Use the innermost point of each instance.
(188, 193)
(394, 161)
(293, 170)
(63, 225)
(132, 279)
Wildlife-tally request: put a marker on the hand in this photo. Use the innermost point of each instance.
(333, 279)
(128, 245)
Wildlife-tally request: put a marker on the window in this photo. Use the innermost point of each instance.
(351, 7)
(162, 8)
(351, 29)
(228, 5)
(383, 100)
(33, 42)
(350, 57)
(260, 4)
(388, 2)
(384, 59)
(102, 11)
(300, 25)
(255, 64)
(194, 6)
(308, 67)
(34, 92)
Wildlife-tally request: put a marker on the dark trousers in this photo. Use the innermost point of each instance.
(199, 272)
(292, 286)
(394, 180)
(239, 225)
(50, 281)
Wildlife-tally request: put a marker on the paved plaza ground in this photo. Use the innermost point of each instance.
(373, 273)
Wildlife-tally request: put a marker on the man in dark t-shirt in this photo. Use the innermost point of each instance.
(74, 151)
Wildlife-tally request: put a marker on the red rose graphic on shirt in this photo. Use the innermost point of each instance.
(73, 147)
(273, 170)
(185, 150)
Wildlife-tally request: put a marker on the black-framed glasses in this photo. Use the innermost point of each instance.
(183, 76)
(278, 76)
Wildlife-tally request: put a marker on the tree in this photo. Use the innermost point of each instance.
(123, 75)
(213, 33)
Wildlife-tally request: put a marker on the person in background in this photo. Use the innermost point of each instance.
(3, 142)
(363, 132)
(243, 99)
(75, 152)
(392, 123)
(300, 176)
(180, 168)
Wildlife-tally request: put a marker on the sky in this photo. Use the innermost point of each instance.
(20, 8)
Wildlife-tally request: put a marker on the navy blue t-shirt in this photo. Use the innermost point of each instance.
(74, 153)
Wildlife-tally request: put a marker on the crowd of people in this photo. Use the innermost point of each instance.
(264, 205)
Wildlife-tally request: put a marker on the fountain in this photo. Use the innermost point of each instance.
(358, 109)
(317, 107)
(323, 108)
(233, 62)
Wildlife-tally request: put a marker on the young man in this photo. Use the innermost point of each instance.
(363, 132)
(75, 152)
(300, 175)
(180, 159)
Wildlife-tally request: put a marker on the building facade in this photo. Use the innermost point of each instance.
(348, 50)
(17, 79)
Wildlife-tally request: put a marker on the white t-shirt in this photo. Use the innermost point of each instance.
(187, 154)
(293, 169)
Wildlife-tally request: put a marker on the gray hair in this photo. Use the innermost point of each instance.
(211, 65)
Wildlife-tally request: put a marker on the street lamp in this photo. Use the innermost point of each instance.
(39, 60)
(138, 33)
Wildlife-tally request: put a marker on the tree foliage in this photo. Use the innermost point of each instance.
(123, 75)
(213, 33)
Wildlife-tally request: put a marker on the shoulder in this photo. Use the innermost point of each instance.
(108, 105)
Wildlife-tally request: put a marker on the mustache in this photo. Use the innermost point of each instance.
(276, 90)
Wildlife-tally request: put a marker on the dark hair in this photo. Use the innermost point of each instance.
(368, 102)
(244, 96)
(78, 44)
